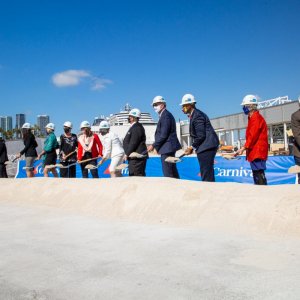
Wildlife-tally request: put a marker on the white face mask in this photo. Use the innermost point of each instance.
(158, 108)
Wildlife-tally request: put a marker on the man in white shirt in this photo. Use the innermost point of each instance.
(112, 148)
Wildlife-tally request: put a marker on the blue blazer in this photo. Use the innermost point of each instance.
(202, 133)
(166, 140)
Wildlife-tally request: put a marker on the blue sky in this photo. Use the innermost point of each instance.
(75, 60)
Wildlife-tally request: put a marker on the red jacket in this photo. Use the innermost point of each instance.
(256, 137)
(96, 148)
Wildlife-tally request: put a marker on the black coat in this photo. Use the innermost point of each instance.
(202, 133)
(166, 140)
(3, 152)
(30, 146)
(135, 140)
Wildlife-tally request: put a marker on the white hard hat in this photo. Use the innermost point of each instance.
(158, 99)
(104, 125)
(50, 126)
(68, 124)
(249, 99)
(85, 124)
(26, 126)
(187, 99)
(135, 113)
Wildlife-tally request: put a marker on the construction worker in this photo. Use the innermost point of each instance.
(256, 144)
(3, 157)
(295, 120)
(112, 148)
(67, 151)
(135, 141)
(29, 149)
(205, 141)
(166, 142)
(89, 147)
(49, 152)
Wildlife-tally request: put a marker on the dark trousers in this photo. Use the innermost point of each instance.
(69, 172)
(297, 162)
(137, 167)
(85, 172)
(3, 173)
(206, 161)
(259, 177)
(169, 169)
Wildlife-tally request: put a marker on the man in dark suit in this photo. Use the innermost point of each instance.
(295, 121)
(166, 142)
(204, 138)
(135, 141)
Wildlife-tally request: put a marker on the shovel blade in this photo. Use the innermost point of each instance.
(136, 155)
(90, 167)
(172, 160)
(121, 167)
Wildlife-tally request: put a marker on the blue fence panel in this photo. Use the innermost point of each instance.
(237, 170)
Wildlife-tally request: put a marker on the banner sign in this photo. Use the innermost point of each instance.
(236, 170)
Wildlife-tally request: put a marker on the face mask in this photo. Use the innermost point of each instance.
(246, 110)
(158, 108)
(67, 130)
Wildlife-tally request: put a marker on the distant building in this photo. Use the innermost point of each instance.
(20, 120)
(6, 123)
(119, 123)
(42, 121)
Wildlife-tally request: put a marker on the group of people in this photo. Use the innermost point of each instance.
(88, 146)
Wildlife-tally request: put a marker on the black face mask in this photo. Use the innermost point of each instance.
(67, 130)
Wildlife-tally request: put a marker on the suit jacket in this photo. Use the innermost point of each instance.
(166, 140)
(296, 132)
(202, 133)
(135, 140)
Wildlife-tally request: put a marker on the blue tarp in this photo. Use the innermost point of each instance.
(237, 170)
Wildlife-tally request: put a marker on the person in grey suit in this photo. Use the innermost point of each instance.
(205, 141)
(166, 142)
(295, 120)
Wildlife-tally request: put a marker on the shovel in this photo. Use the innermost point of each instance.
(174, 160)
(138, 155)
(230, 156)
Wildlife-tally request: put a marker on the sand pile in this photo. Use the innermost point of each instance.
(225, 207)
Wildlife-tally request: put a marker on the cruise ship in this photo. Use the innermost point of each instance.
(119, 123)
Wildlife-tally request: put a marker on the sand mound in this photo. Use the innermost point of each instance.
(225, 207)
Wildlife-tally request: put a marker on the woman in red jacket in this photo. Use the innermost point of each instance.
(89, 146)
(256, 145)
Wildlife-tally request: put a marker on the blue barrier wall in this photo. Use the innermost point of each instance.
(237, 170)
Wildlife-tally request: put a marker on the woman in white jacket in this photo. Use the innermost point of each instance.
(112, 148)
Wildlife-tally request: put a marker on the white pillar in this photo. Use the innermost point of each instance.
(271, 134)
(286, 146)
(232, 137)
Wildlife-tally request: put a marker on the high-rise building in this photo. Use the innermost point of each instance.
(42, 121)
(6, 123)
(20, 120)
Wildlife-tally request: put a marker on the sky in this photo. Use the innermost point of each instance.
(75, 60)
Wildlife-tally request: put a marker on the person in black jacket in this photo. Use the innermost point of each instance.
(135, 141)
(29, 149)
(205, 141)
(166, 142)
(67, 151)
(3, 157)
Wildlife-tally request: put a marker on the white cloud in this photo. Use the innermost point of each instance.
(75, 77)
(100, 83)
(69, 77)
